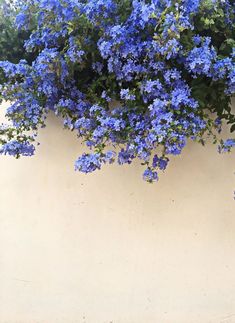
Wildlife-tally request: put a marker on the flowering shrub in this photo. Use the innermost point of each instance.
(166, 64)
(11, 39)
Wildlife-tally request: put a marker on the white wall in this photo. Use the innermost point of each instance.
(109, 247)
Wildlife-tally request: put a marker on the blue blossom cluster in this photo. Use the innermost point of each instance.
(137, 76)
(226, 145)
(14, 148)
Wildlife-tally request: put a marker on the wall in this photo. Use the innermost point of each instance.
(109, 247)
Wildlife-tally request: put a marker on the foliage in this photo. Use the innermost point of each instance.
(168, 64)
(11, 39)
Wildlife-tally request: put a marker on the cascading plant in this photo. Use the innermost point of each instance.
(169, 66)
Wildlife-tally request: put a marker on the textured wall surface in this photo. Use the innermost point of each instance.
(109, 247)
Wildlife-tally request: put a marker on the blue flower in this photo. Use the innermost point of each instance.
(227, 145)
(150, 175)
(160, 163)
(126, 95)
(16, 148)
(110, 157)
(88, 163)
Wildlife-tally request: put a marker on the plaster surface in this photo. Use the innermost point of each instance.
(108, 247)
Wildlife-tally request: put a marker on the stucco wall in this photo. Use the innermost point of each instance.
(109, 247)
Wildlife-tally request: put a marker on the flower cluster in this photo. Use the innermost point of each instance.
(11, 39)
(134, 79)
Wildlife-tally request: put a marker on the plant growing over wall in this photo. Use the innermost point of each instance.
(168, 64)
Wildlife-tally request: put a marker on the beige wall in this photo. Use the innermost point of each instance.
(109, 247)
